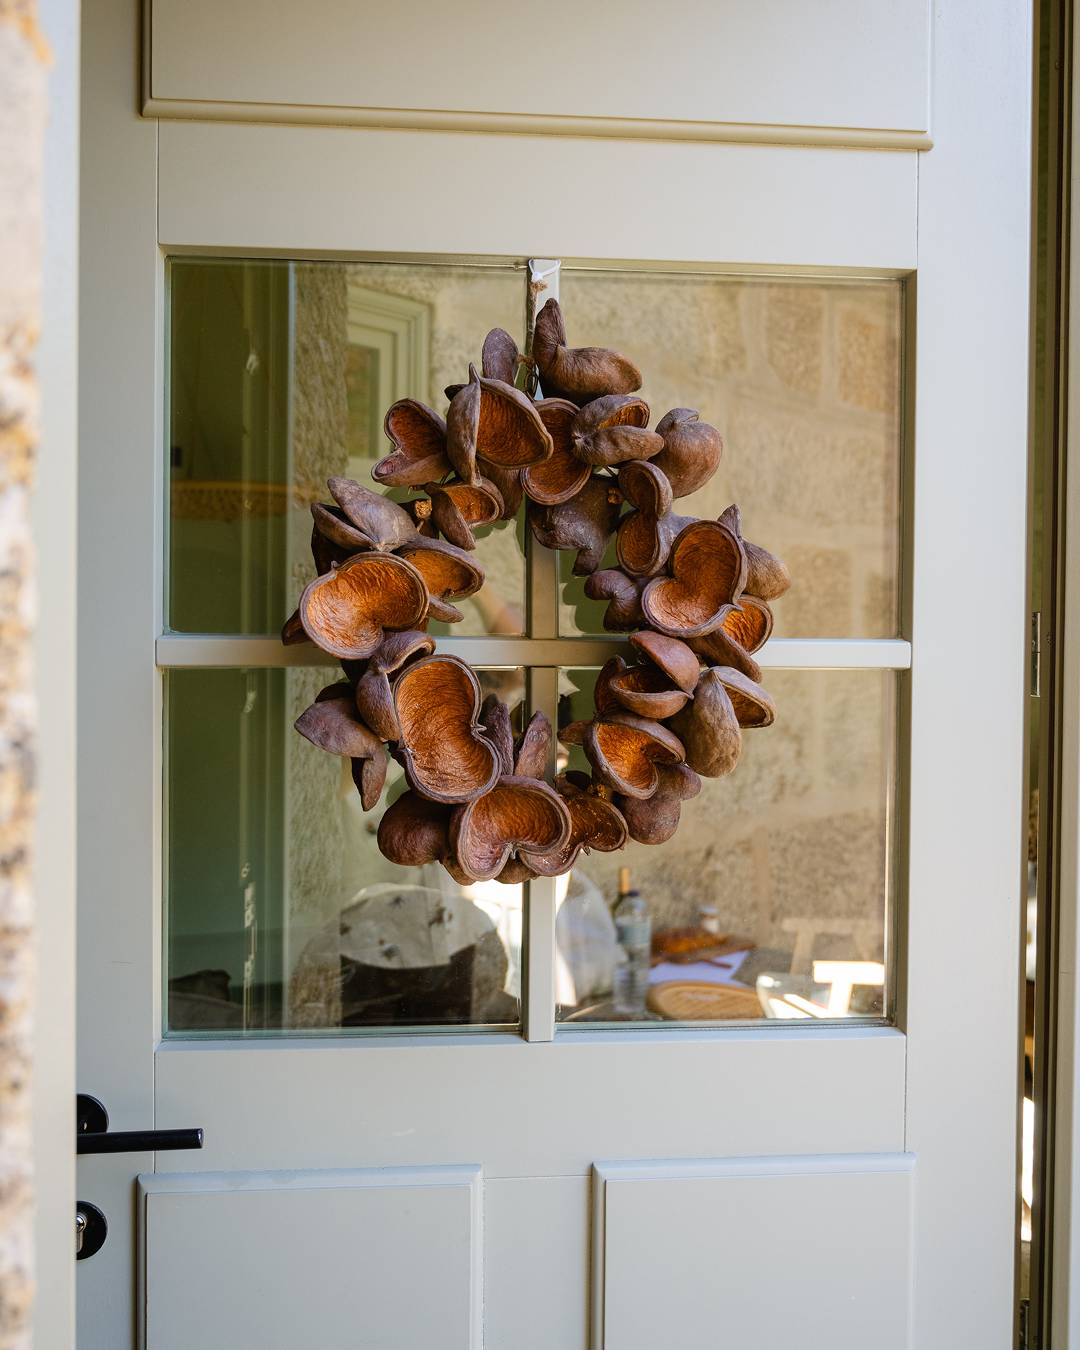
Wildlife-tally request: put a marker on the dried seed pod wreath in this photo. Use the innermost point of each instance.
(692, 594)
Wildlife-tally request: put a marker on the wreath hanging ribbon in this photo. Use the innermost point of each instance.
(693, 595)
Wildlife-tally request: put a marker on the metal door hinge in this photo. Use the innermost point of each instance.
(1036, 653)
(1026, 1341)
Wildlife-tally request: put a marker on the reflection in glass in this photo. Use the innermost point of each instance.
(282, 912)
(802, 377)
(773, 897)
(279, 376)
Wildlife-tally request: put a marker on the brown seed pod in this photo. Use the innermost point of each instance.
(648, 692)
(495, 719)
(624, 751)
(745, 629)
(563, 475)
(457, 507)
(580, 373)
(707, 569)
(518, 815)
(499, 360)
(347, 610)
(332, 523)
(709, 728)
(326, 554)
(385, 524)
(444, 751)
(655, 821)
(449, 573)
(671, 656)
(611, 430)
(374, 699)
(623, 595)
(692, 450)
(493, 421)
(586, 522)
(646, 534)
(508, 482)
(414, 831)
(418, 435)
(515, 872)
(292, 631)
(595, 823)
(332, 724)
(766, 576)
(533, 747)
(753, 704)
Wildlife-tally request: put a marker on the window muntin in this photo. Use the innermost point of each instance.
(237, 577)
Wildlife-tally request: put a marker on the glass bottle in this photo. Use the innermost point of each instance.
(633, 932)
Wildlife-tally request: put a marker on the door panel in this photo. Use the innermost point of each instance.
(719, 64)
(295, 1259)
(802, 1251)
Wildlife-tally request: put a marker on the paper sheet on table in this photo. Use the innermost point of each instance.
(720, 970)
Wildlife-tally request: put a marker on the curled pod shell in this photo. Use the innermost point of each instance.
(605, 701)
(692, 450)
(655, 821)
(766, 576)
(612, 430)
(670, 655)
(645, 535)
(418, 435)
(562, 475)
(457, 507)
(585, 522)
(624, 751)
(533, 747)
(374, 699)
(623, 595)
(499, 359)
(292, 631)
(745, 629)
(707, 569)
(580, 373)
(493, 421)
(325, 554)
(385, 524)
(444, 750)
(347, 610)
(414, 831)
(753, 704)
(449, 574)
(647, 691)
(709, 728)
(508, 482)
(332, 724)
(516, 871)
(335, 527)
(595, 823)
(495, 719)
(518, 815)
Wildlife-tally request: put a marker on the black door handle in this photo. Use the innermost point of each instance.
(92, 1133)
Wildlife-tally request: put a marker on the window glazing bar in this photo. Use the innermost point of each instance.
(179, 650)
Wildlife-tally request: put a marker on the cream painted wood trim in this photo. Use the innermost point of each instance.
(535, 124)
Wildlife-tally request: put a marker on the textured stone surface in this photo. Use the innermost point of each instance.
(795, 323)
(22, 114)
(823, 590)
(868, 348)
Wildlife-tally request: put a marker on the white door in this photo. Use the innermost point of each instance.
(325, 209)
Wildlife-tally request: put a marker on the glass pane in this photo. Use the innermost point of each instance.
(803, 380)
(282, 912)
(773, 897)
(279, 376)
